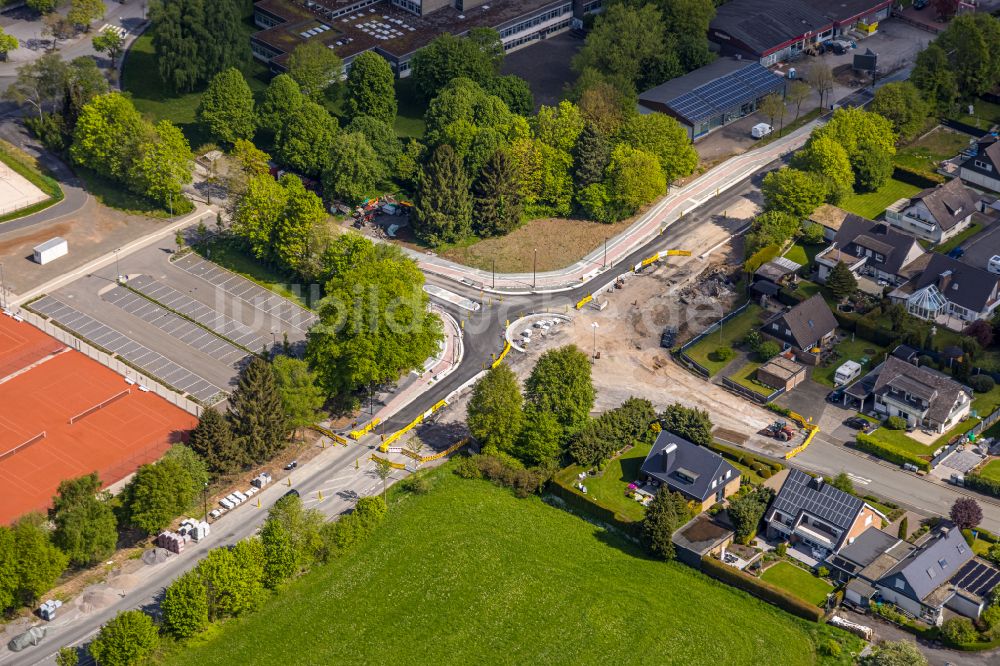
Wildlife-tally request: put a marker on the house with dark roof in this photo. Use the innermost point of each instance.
(811, 512)
(771, 31)
(715, 95)
(805, 328)
(924, 397)
(699, 474)
(982, 168)
(949, 292)
(870, 249)
(856, 559)
(920, 583)
(935, 214)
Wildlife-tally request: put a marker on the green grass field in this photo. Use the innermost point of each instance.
(898, 439)
(745, 377)
(873, 204)
(985, 115)
(927, 152)
(469, 574)
(803, 254)
(732, 333)
(609, 488)
(410, 113)
(798, 581)
(991, 470)
(237, 261)
(153, 98)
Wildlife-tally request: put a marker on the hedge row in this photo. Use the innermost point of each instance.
(917, 177)
(744, 457)
(877, 448)
(760, 589)
(982, 484)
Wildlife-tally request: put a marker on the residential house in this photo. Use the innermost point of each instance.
(805, 328)
(830, 218)
(920, 583)
(982, 169)
(871, 249)
(701, 475)
(702, 535)
(935, 214)
(949, 292)
(811, 512)
(866, 559)
(924, 397)
(771, 31)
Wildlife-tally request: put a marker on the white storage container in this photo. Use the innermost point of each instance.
(51, 249)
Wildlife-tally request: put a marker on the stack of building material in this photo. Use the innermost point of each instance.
(261, 480)
(48, 609)
(171, 541)
(193, 529)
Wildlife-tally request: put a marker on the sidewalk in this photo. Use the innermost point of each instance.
(664, 213)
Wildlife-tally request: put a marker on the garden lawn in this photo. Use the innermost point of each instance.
(803, 254)
(927, 152)
(873, 204)
(958, 239)
(410, 109)
(798, 581)
(848, 350)
(898, 439)
(986, 115)
(745, 378)
(732, 333)
(991, 470)
(467, 573)
(609, 488)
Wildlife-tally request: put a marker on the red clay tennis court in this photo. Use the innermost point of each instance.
(63, 415)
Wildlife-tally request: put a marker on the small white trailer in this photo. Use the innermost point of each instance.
(50, 250)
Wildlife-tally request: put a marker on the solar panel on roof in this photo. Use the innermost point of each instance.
(726, 92)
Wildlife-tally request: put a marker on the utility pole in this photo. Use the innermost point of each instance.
(204, 494)
(494, 273)
(595, 326)
(605, 252)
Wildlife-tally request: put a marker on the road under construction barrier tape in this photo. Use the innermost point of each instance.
(677, 253)
(583, 301)
(503, 354)
(329, 433)
(649, 260)
(813, 429)
(386, 461)
(361, 432)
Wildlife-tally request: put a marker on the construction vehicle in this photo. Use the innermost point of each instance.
(780, 430)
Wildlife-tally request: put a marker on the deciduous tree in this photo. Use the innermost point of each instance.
(540, 441)
(495, 413)
(772, 106)
(231, 589)
(897, 653)
(792, 191)
(301, 396)
(227, 107)
(692, 424)
(448, 58)
(746, 511)
(383, 140)
(663, 137)
(558, 126)
(641, 60)
(156, 495)
(304, 141)
(820, 77)
(109, 42)
(353, 169)
(282, 98)
(933, 76)
(315, 68)
(30, 563)
(85, 12)
(824, 157)
(797, 93)
(560, 383)
(7, 44)
(514, 91)
(163, 165)
(127, 639)
(195, 39)
(966, 513)
(901, 103)
(371, 88)
(185, 606)
(633, 179)
(86, 529)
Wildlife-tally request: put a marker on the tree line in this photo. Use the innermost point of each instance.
(234, 581)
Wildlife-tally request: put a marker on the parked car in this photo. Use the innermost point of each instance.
(292, 465)
(835, 396)
(858, 423)
(668, 337)
(291, 493)
(920, 4)
(957, 253)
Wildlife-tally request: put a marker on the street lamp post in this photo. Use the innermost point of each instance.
(494, 273)
(595, 326)
(204, 495)
(605, 252)
(534, 270)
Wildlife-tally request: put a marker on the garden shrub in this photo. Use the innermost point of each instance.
(904, 530)
(926, 361)
(768, 350)
(895, 423)
(830, 648)
(981, 383)
(959, 630)
(722, 354)
(822, 572)
(982, 484)
(416, 484)
(505, 471)
(781, 549)
(753, 339)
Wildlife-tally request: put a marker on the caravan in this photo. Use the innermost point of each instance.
(846, 373)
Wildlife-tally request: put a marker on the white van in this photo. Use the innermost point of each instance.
(760, 130)
(994, 265)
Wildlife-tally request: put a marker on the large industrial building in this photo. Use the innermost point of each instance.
(397, 29)
(717, 94)
(772, 31)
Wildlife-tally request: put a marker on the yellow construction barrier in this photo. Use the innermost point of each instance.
(802, 447)
(394, 465)
(361, 432)
(583, 301)
(678, 253)
(329, 433)
(451, 449)
(649, 260)
(412, 454)
(414, 423)
(503, 354)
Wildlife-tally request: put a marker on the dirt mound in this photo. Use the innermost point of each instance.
(156, 556)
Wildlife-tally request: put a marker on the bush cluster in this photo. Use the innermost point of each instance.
(503, 471)
(871, 445)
